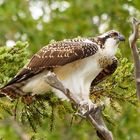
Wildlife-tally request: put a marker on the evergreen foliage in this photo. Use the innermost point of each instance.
(116, 90)
(60, 20)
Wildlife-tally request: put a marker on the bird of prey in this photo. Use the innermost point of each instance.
(78, 63)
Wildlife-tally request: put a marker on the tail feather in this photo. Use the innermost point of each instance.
(13, 91)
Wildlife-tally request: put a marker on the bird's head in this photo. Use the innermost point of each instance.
(111, 38)
(109, 41)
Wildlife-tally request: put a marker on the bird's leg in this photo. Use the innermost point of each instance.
(85, 105)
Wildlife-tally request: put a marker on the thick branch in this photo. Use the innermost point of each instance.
(94, 115)
(132, 41)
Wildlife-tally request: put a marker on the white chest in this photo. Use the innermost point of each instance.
(77, 76)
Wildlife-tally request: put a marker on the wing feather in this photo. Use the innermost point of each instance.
(110, 69)
(54, 55)
(61, 53)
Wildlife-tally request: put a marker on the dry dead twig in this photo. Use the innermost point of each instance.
(132, 41)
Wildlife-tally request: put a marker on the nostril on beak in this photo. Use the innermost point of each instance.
(121, 38)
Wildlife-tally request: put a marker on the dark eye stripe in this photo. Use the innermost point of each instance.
(114, 34)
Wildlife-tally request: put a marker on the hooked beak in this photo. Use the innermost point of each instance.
(121, 38)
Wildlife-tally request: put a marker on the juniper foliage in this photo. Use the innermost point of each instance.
(115, 91)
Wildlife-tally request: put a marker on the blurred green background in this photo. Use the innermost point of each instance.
(40, 21)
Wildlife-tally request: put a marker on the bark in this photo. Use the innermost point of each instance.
(133, 45)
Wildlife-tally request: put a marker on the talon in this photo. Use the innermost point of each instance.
(80, 114)
(85, 106)
(101, 105)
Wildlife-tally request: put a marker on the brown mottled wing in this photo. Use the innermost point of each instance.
(54, 55)
(61, 53)
(110, 69)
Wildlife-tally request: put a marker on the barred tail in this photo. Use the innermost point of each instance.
(13, 91)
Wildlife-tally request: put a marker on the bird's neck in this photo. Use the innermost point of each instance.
(110, 50)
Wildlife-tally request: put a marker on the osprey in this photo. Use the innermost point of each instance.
(78, 63)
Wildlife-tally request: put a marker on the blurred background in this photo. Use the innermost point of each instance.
(40, 21)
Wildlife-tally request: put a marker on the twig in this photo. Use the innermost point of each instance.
(94, 115)
(132, 41)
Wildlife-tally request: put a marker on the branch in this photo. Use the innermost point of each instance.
(132, 41)
(94, 115)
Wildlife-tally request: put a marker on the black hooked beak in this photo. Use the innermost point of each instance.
(121, 38)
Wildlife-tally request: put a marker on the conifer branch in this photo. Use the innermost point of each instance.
(132, 41)
(94, 115)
